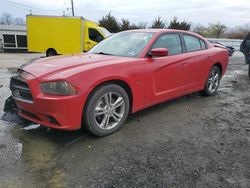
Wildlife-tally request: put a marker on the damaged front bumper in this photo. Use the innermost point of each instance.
(10, 105)
(60, 112)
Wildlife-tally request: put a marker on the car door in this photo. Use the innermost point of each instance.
(197, 62)
(165, 76)
(94, 36)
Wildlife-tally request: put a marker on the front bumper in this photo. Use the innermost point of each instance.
(60, 112)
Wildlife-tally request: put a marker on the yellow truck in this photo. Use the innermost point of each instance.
(62, 35)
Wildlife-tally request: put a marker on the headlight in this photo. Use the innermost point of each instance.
(58, 88)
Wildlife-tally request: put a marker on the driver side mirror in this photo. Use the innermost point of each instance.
(159, 52)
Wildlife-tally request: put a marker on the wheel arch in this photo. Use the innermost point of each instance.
(122, 83)
(219, 65)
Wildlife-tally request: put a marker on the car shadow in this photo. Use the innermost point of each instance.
(158, 107)
(25, 130)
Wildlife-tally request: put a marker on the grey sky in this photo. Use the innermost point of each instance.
(229, 12)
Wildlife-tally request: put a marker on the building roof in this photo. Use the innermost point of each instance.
(13, 28)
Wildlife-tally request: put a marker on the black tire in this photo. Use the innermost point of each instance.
(51, 52)
(209, 89)
(93, 122)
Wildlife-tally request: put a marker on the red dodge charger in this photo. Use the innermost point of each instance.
(126, 72)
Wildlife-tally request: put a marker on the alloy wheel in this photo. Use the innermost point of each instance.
(213, 81)
(109, 110)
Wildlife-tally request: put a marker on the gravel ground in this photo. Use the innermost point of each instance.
(192, 141)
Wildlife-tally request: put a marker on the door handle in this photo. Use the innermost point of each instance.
(88, 42)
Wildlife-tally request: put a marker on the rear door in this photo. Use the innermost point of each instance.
(165, 75)
(197, 62)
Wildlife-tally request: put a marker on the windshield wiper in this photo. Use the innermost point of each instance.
(103, 53)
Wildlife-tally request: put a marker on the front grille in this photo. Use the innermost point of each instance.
(20, 89)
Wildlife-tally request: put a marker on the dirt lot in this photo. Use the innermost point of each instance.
(192, 141)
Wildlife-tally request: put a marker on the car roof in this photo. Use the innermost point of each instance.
(164, 31)
(157, 30)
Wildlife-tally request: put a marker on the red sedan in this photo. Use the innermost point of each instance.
(123, 74)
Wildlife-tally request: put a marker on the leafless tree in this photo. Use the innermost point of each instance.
(200, 29)
(19, 21)
(6, 19)
(218, 29)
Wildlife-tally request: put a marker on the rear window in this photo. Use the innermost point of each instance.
(192, 43)
(203, 45)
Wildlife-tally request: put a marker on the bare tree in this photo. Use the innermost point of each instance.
(238, 32)
(6, 19)
(218, 29)
(19, 21)
(200, 29)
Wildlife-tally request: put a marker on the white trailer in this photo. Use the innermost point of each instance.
(13, 37)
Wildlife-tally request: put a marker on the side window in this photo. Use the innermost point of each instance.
(21, 40)
(192, 43)
(170, 41)
(203, 45)
(95, 35)
(9, 40)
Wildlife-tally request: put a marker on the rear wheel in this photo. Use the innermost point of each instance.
(106, 110)
(51, 52)
(213, 82)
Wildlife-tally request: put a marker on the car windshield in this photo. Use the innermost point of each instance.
(126, 44)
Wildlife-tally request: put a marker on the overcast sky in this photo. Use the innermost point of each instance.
(230, 12)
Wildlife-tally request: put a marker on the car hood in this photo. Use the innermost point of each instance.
(58, 64)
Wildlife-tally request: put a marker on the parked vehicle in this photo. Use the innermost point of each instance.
(12, 38)
(132, 71)
(245, 49)
(62, 35)
(230, 49)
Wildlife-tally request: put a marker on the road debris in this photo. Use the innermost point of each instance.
(31, 127)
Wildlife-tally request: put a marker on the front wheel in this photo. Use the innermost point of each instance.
(213, 82)
(106, 110)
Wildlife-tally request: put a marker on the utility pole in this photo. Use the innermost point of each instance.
(72, 7)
